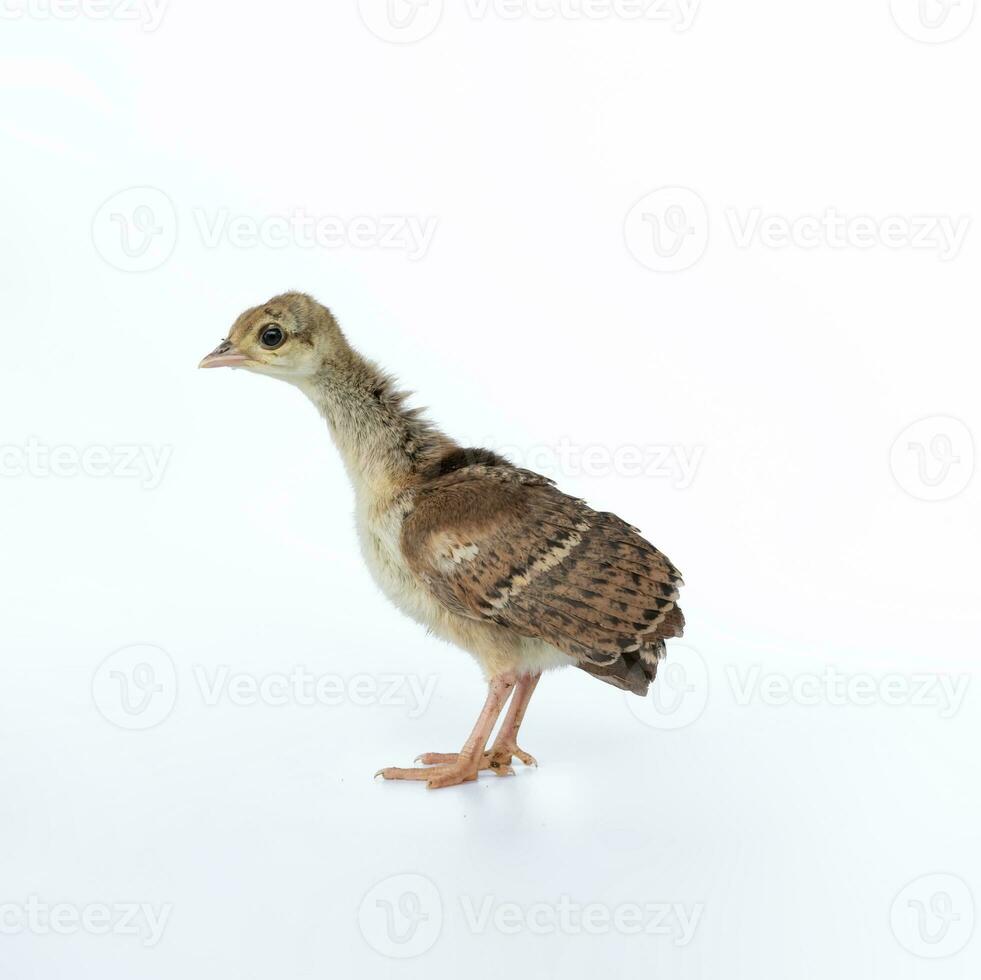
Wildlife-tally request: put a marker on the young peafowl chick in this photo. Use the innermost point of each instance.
(493, 558)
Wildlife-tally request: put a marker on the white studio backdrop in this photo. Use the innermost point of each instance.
(710, 266)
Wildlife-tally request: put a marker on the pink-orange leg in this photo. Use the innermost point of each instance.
(498, 758)
(465, 765)
(506, 744)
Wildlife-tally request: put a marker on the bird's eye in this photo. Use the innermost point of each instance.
(271, 337)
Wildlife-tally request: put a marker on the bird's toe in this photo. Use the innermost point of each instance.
(393, 772)
(452, 775)
(437, 758)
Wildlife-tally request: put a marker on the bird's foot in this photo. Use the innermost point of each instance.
(453, 773)
(502, 754)
(497, 758)
(498, 766)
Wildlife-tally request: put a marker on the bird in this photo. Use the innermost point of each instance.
(487, 555)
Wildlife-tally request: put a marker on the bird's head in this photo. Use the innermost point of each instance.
(291, 337)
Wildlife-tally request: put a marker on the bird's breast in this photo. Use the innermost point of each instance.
(380, 533)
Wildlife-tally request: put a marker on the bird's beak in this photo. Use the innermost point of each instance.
(226, 354)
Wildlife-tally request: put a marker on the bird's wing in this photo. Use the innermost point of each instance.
(500, 544)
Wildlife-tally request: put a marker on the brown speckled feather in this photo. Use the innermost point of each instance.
(501, 544)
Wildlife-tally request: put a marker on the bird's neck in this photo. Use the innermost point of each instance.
(384, 445)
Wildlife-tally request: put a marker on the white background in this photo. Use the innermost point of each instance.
(817, 533)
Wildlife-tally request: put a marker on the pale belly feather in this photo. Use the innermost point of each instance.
(496, 649)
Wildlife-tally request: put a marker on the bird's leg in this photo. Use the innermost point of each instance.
(506, 744)
(465, 765)
(498, 757)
